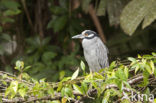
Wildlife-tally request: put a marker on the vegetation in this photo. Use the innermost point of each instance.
(110, 84)
(37, 33)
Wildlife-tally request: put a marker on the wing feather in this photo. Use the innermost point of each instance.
(102, 54)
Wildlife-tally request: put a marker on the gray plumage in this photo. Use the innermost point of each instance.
(95, 51)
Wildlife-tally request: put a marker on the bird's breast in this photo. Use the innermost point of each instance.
(89, 43)
(91, 58)
(89, 50)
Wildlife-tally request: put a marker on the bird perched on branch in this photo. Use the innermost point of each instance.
(94, 49)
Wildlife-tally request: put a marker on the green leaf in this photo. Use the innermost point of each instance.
(115, 92)
(154, 54)
(11, 12)
(101, 8)
(75, 74)
(58, 10)
(42, 80)
(58, 23)
(25, 76)
(65, 79)
(98, 76)
(7, 20)
(47, 56)
(22, 92)
(133, 14)
(145, 78)
(147, 56)
(136, 68)
(139, 56)
(82, 66)
(14, 86)
(7, 91)
(147, 67)
(55, 101)
(121, 86)
(59, 86)
(147, 91)
(126, 72)
(152, 66)
(114, 8)
(127, 84)
(106, 97)
(12, 95)
(151, 15)
(112, 65)
(95, 84)
(6, 37)
(12, 89)
(68, 91)
(77, 88)
(61, 74)
(27, 67)
(63, 92)
(19, 65)
(127, 101)
(120, 74)
(131, 59)
(46, 41)
(4, 83)
(10, 4)
(84, 87)
(50, 24)
(51, 91)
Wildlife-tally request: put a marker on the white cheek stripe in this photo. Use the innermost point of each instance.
(90, 35)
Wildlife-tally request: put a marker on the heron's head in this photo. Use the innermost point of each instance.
(86, 34)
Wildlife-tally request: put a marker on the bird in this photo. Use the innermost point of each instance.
(95, 51)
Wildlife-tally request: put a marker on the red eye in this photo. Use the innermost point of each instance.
(86, 34)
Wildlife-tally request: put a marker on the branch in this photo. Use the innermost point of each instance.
(58, 96)
(12, 78)
(97, 23)
(130, 81)
(27, 14)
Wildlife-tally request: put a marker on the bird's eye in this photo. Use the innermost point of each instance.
(86, 34)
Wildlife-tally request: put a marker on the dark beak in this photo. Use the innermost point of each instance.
(79, 36)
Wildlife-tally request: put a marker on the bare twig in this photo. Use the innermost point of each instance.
(13, 77)
(58, 96)
(97, 23)
(27, 14)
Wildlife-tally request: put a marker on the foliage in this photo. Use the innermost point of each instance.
(47, 59)
(44, 57)
(128, 13)
(110, 84)
(136, 12)
(39, 32)
(8, 8)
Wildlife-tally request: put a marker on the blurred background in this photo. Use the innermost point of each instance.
(39, 33)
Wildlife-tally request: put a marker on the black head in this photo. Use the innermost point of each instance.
(86, 34)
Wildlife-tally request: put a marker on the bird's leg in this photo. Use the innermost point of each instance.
(91, 74)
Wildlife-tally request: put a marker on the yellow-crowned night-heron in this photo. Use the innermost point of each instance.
(95, 51)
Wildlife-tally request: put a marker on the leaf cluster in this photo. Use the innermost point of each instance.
(108, 85)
